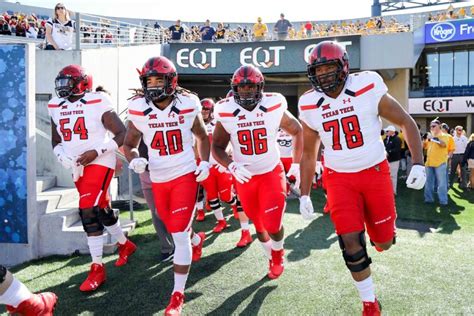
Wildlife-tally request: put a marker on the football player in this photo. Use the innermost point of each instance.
(250, 121)
(167, 117)
(219, 184)
(80, 124)
(20, 301)
(343, 112)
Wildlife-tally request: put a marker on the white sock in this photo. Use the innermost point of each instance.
(116, 231)
(15, 294)
(277, 245)
(179, 282)
(267, 248)
(218, 214)
(366, 289)
(200, 205)
(195, 240)
(244, 225)
(96, 248)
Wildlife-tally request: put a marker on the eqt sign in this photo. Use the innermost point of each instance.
(260, 57)
(437, 105)
(197, 58)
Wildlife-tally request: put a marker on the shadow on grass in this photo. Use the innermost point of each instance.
(230, 305)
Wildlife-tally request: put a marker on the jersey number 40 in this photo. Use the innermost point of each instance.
(168, 143)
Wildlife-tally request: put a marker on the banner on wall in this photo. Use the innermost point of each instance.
(270, 56)
(449, 31)
(13, 138)
(441, 105)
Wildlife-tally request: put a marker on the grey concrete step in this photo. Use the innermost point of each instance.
(59, 197)
(44, 183)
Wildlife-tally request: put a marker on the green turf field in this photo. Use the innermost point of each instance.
(429, 271)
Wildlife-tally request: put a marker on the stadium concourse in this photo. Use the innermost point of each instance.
(203, 171)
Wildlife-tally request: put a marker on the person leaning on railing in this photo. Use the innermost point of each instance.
(60, 30)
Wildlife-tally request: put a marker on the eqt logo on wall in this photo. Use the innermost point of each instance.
(260, 57)
(308, 49)
(443, 31)
(197, 58)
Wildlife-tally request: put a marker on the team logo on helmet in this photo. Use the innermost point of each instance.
(247, 86)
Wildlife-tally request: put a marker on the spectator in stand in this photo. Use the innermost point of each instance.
(282, 27)
(176, 31)
(4, 26)
(32, 30)
(60, 29)
(301, 34)
(393, 147)
(220, 33)
(157, 25)
(309, 29)
(462, 13)
(436, 146)
(460, 142)
(207, 32)
(260, 30)
(469, 160)
(13, 24)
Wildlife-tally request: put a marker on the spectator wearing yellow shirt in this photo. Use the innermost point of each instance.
(260, 30)
(472, 11)
(451, 148)
(462, 13)
(436, 147)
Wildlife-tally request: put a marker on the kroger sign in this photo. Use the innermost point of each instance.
(449, 31)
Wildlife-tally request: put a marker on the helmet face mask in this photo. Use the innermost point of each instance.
(328, 67)
(327, 81)
(247, 87)
(72, 81)
(165, 71)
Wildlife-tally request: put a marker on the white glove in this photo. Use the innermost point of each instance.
(295, 172)
(319, 167)
(417, 177)
(138, 165)
(306, 208)
(65, 160)
(77, 172)
(240, 173)
(202, 171)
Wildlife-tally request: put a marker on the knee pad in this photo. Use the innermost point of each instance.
(90, 220)
(358, 256)
(3, 273)
(107, 216)
(182, 248)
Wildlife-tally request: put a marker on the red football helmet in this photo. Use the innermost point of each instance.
(326, 53)
(160, 67)
(72, 80)
(207, 106)
(247, 86)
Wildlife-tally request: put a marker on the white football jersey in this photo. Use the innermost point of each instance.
(210, 130)
(168, 135)
(80, 125)
(253, 134)
(350, 125)
(285, 144)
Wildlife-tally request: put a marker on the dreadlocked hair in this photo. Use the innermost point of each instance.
(137, 93)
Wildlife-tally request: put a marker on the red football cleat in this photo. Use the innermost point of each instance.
(220, 226)
(38, 304)
(200, 215)
(245, 239)
(125, 250)
(276, 264)
(95, 278)
(175, 307)
(371, 308)
(234, 211)
(197, 250)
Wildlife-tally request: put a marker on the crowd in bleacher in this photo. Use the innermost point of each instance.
(33, 26)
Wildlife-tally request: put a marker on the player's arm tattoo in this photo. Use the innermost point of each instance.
(390, 109)
(131, 141)
(220, 140)
(199, 131)
(113, 123)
